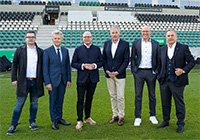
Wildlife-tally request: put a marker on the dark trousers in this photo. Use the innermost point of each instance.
(56, 97)
(140, 77)
(32, 88)
(89, 88)
(169, 89)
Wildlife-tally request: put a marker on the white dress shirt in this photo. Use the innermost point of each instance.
(114, 48)
(32, 58)
(170, 51)
(146, 54)
(59, 51)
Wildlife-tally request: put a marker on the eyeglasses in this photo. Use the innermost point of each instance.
(87, 37)
(29, 37)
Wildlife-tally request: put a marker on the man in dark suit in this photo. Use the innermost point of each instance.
(57, 76)
(87, 59)
(175, 62)
(144, 68)
(27, 76)
(116, 58)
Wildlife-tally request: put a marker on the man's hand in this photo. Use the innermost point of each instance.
(178, 71)
(89, 66)
(14, 83)
(68, 84)
(49, 87)
(112, 74)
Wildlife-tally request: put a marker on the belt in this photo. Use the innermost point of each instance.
(31, 79)
(145, 68)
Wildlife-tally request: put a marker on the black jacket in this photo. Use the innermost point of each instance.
(19, 65)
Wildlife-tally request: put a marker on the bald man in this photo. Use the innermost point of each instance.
(87, 59)
(144, 68)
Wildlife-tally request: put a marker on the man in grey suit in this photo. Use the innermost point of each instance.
(144, 68)
(57, 76)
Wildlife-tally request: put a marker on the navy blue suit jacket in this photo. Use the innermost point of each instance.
(136, 55)
(53, 70)
(120, 60)
(182, 59)
(83, 55)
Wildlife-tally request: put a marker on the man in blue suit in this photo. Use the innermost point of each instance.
(175, 62)
(116, 58)
(87, 59)
(144, 68)
(57, 76)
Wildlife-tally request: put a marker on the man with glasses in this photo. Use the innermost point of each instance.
(27, 76)
(144, 68)
(57, 77)
(87, 59)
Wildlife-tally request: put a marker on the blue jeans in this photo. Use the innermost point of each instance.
(32, 88)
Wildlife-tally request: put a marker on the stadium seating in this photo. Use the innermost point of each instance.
(32, 3)
(192, 7)
(67, 3)
(167, 18)
(13, 26)
(5, 2)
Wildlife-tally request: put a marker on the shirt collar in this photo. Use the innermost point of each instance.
(31, 48)
(173, 46)
(116, 42)
(56, 47)
(147, 41)
(87, 46)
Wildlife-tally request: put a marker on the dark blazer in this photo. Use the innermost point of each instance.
(84, 55)
(53, 71)
(182, 59)
(120, 60)
(136, 55)
(18, 74)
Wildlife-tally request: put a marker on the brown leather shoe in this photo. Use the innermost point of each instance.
(121, 121)
(114, 119)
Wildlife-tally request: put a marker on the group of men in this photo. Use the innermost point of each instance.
(170, 64)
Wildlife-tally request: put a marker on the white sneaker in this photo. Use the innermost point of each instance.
(153, 120)
(137, 122)
(79, 125)
(90, 121)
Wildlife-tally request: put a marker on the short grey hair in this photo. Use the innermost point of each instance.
(171, 30)
(57, 32)
(146, 26)
(115, 27)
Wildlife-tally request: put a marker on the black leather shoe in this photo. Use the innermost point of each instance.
(55, 126)
(63, 122)
(163, 124)
(180, 129)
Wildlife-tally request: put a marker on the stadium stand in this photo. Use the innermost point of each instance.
(32, 3)
(192, 7)
(5, 2)
(75, 18)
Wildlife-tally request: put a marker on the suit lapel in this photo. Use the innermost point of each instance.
(109, 48)
(54, 53)
(63, 54)
(25, 55)
(163, 56)
(118, 48)
(175, 52)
